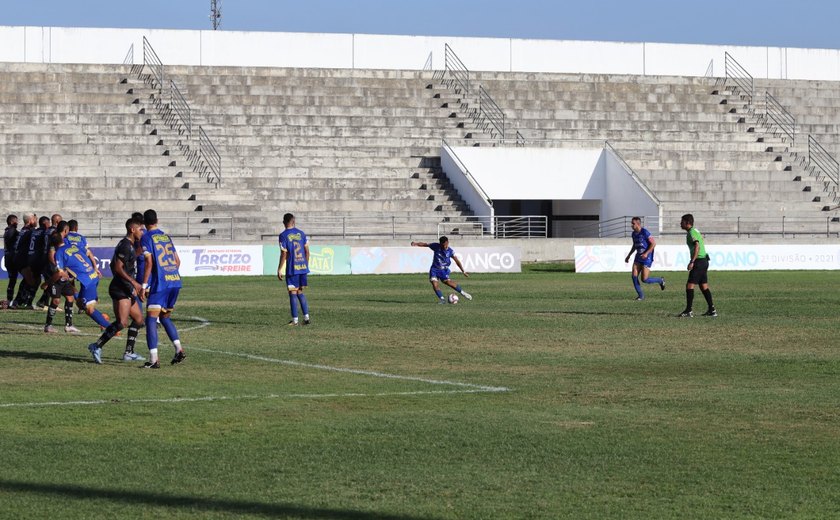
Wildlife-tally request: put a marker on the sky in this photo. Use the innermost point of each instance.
(803, 23)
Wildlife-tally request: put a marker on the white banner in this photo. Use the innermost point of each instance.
(610, 259)
(389, 260)
(221, 260)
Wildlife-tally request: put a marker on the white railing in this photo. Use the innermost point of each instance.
(179, 225)
(407, 227)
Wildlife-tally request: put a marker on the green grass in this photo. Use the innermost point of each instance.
(616, 409)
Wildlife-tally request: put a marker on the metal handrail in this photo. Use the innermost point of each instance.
(710, 70)
(525, 226)
(129, 56)
(151, 60)
(780, 115)
(428, 64)
(456, 68)
(397, 226)
(781, 225)
(179, 225)
(823, 160)
(519, 139)
(632, 173)
(181, 107)
(467, 173)
(613, 228)
(210, 156)
(739, 75)
(490, 110)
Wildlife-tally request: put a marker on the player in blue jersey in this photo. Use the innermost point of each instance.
(439, 272)
(643, 245)
(71, 262)
(294, 260)
(74, 237)
(161, 283)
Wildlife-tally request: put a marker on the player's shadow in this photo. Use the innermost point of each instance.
(51, 356)
(195, 503)
(586, 313)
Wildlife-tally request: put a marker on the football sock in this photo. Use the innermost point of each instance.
(654, 280)
(178, 347)
(151, 334)
(10, 290)
(99, 318)
(131, 340)
(51, 313)
(170, 329)
(689, 299)
(439, 293)
(153, 353)
(638, 287)
(109, 333)
(68, 313)
(293, 303)
(707, 293)
(304, 305)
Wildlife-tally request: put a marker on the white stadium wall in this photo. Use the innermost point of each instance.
(347, 51)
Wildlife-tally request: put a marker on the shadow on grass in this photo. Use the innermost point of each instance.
(587, 313)
(22, 354)
(194, 503)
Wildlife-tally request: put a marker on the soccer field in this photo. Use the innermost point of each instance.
(549, 395)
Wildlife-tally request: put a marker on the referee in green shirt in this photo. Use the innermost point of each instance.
(698, 269)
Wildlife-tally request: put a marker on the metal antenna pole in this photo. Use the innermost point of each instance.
(216, 13)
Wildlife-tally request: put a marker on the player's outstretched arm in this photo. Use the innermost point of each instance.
(627, 258)
(281, 264)
(419, 244)
(461, 267)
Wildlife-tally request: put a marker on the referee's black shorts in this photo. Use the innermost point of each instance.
(700, 272)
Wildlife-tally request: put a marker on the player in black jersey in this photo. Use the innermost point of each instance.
(125, 292)
(22, 259)
(57, 286)
(10, 238)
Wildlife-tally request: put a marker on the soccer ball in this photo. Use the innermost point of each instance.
(453, 299)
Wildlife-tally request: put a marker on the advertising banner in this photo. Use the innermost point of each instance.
(391, 260)
(221, 260)
(322, 259)
(610, 259)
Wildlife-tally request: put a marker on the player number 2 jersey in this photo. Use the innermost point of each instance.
(165, 273)
(73, 260)
(293, 241)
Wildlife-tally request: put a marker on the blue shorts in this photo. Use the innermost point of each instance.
(164, 299)
(87, 293)
(647, 262)
(438, 275)
(296, 281)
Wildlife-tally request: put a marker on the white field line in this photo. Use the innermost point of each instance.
(465, 388)
(382, 375)
(211, 398)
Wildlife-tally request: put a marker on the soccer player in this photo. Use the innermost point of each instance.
(138, 248)
(55, 220)
(161, 283)
(74, 237)
(59, 285)
(71, 263)
(22, 260)
(10, 238)
(124, 291)
(294, 254)
(37, 259)
(439, 272)
(698, 269)
(643, 245)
